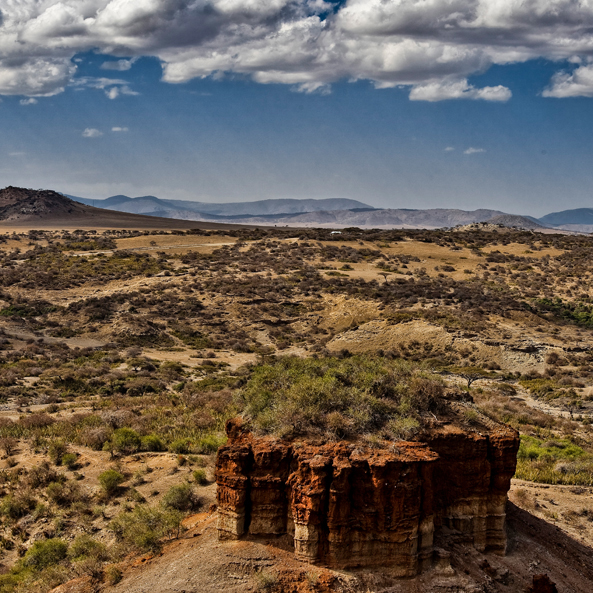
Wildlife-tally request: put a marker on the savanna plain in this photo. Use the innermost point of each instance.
(124, 353)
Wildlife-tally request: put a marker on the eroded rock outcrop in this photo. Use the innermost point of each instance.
(346, 505)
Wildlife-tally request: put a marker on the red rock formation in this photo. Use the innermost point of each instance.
(345, 505)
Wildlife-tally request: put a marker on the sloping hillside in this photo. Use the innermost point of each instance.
(48, 209)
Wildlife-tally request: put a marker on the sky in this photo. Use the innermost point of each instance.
(396, 103)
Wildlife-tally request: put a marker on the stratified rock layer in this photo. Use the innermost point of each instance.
(345, 505)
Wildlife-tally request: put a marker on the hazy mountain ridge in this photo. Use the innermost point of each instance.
(580, 216)
(149, 204)
(331, 213)
(334, 212)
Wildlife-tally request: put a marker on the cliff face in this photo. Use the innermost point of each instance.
(345, 506)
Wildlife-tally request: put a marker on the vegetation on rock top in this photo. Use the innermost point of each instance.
(340, 398)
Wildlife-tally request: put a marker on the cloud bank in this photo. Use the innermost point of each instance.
(430, 46)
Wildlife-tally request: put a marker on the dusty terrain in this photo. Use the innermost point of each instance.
(199, 562)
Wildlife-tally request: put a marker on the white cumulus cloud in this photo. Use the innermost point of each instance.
(461, 89)
(113, 87)
(91, 133)
(578, 83)
(118, 129)
(428, 46)
(472, 150)
(29, 101)
(119, 65)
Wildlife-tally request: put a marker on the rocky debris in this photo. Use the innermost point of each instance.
(346, 505)
(542, 584)
(480, 226)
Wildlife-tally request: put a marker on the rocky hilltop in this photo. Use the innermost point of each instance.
(18, 203)
(49, 209)
(346, 505)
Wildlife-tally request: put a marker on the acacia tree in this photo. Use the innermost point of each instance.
(471, 374)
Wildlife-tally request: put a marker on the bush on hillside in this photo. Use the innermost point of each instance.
(339, 397)
(110, 480)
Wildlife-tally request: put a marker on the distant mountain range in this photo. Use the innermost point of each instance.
(188, 210)
(578, 219)
(331, 213)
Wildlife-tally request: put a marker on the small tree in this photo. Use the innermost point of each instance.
(471, 374)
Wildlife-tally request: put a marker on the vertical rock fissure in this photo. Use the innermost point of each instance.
(324, 513)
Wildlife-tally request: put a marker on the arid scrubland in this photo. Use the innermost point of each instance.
(123, 354)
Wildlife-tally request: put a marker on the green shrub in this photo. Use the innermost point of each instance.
(145, 526)
(181, 498)
(556, 461)
(152, 443)
(266, 580)
(85, 546)
(210, 444)
(45, 553)
(110, 481)
(539, 387)
(17, 505)
(64, 493)
(57, 449)
(70, 460)
(113, 574)
(180, 446)
(402, 428)
(199, 476)
(552, 450)
(136, 496)
(125, 441)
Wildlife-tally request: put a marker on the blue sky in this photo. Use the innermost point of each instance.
(511, 134)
